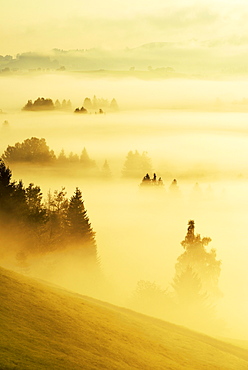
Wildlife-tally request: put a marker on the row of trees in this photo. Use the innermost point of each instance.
(37, 151)
(96, 104)
(100, 103)
(43, 226)
(42, 104)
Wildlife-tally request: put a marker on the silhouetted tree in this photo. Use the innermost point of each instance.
(79, 227)
(57, 206)
(203, 263)
(6, 187)
(39, 104)
(31, 150)
(12, 195)
(36, 211)
(196, 283)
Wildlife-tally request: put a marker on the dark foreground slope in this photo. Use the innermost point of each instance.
(42, 327)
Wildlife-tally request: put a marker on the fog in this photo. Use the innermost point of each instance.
(139, 230)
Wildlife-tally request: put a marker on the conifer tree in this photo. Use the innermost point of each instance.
(6, 187)
(203, 263)
(79, 227)
(36, 211)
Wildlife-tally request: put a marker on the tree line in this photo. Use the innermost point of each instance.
(95, 104)
(37, 151)
(42, 104)
(41, 226)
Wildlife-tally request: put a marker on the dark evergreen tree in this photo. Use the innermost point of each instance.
(79, 227)
(6, 187)
(36, 211)
(12, 195)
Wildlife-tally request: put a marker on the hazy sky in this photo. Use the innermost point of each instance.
(77, 24)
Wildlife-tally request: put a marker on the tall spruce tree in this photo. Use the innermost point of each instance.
(79, 227)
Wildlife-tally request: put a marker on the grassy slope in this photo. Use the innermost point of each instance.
(43, 327)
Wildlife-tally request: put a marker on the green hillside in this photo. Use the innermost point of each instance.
(44, 327)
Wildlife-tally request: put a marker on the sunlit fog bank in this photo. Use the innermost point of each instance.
(199, 160)
(193, 145)
(140, 92)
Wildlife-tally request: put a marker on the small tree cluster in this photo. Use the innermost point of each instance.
(37, 151)
(42, 104)
(83, 159)
(81, 110)
(60, 223)
(65, 105)
(30, 150)
(148, 181)
(100, 103)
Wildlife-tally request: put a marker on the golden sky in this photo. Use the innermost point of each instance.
(77, 24)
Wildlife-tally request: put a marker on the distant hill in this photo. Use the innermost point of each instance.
(187, 59)
(45, 327)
